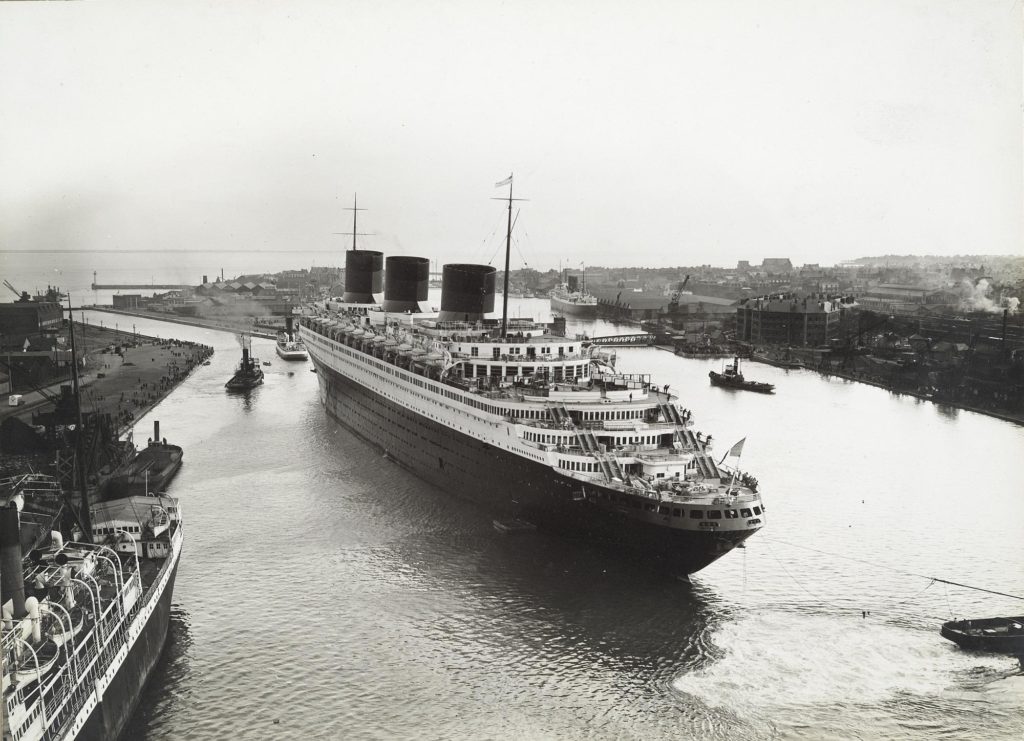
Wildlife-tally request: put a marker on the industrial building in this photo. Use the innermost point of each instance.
(784, 319)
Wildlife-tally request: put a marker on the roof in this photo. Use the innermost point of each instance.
(689, 298)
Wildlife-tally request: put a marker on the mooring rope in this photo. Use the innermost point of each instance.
(896, 570)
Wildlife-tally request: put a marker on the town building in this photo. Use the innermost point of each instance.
(897, 298)
(23, 319)
(784, 319)
(127, 301)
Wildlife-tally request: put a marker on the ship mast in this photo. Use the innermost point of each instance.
(508, 252)
(355, 213)
(84, 514)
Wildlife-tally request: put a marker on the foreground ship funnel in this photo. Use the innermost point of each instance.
(467, 292)
(406, 282)
(364, 276)
(10, 558)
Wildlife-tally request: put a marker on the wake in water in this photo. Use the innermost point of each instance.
(812, 666)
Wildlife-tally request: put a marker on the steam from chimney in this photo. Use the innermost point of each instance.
(978, 297)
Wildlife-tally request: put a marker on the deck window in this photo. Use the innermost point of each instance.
(745, 513)
(648, 507)
(731, 514)
(714, 514)
(662, 510)
(676, 512)
(757, 510)
(696, 514)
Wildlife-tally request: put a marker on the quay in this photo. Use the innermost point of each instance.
(138, 286)
(125, 384)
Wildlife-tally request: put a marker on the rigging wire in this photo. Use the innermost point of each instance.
(899, 571)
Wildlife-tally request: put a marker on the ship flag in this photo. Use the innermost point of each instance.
(735, 450)
(506, 181)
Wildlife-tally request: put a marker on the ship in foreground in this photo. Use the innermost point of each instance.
(87, 574)
(732, 378)
(536, 426)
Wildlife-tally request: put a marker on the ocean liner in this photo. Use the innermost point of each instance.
(533, 425)
(86, 586)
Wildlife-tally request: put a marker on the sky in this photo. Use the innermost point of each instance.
(642, 133)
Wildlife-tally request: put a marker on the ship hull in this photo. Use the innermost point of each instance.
(756, 386)
(110, 717)
(135, 481)
(286, 354)
(584, 311)
(509, 484)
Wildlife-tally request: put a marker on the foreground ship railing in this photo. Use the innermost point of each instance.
(88, 607)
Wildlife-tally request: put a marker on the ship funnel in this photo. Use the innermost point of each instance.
(12, 577)
(289, 325)
(467, 292)
(363, 276)
(156, 430)
(406, 282)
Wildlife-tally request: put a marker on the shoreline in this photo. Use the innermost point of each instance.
(126, 385)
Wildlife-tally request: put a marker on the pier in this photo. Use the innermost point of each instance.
(137, 286)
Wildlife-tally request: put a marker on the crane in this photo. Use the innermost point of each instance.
(22, 295)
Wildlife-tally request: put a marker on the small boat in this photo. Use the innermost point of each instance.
(288, 347)
(266, 362)
(249, 373)
(513, 525)
(1000, 634)
(151, 471)
(731, 377)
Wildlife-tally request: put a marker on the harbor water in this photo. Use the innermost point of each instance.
(327, 593)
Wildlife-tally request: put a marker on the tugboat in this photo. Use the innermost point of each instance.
(731, 378)
(1000, 634)
(249, 374)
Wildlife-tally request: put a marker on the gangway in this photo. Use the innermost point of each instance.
(643, 339)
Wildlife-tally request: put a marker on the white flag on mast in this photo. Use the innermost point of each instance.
(506, 181)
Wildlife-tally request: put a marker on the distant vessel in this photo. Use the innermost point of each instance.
(288, 347)
(1001, 634)
(572, 299)
(249, 373)
(731, 378)
(538, 427)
